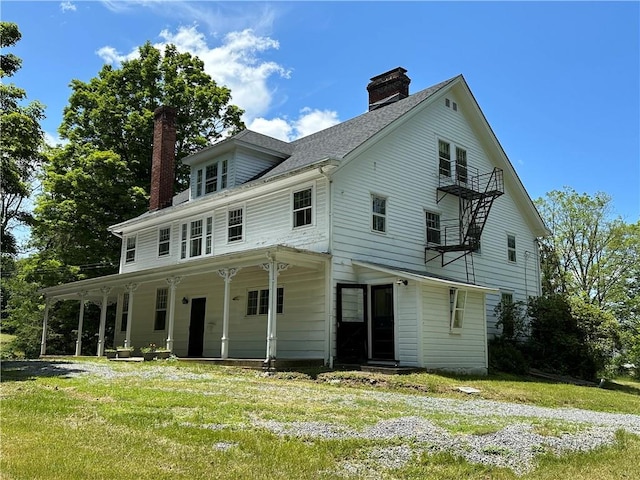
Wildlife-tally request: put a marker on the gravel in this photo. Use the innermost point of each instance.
(514, 446)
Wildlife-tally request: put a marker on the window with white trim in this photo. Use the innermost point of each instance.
(458, 300)
(258, 301)
(196, 237)
(124, 317)
(433, 228)
(211, 178)
(164, 241)
(160, 321)
(506, 298)
(303, 207)
(444, 156)
(235, 224)
(378, 213)
(511, 248)
(461, 165)
(130, 249)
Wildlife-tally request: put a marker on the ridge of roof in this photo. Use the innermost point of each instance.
(339, 140)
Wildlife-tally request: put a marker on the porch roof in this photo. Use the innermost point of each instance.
(247, 258)
(424, 277)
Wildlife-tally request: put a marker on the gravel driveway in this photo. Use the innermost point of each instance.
(514, 445)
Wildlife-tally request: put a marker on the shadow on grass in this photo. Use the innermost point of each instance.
(621, 387)
(27, 370)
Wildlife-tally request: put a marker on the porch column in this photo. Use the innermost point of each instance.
(130, 288)
(173, 283)
(45, 320)
(82, 296)
(274, 268)
(227, 274)
(103, 319)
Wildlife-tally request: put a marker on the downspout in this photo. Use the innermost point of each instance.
(328, 272)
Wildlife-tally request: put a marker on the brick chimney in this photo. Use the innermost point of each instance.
(163, 159)
(388, 87)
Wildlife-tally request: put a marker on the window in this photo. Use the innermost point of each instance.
(211, 178)
(379, 213)
(433, 228)
(164, 241)
(130, 254)
(458, 300)
(511, 248)
(199, 183)
(192, 236)
(124, 318)
(234, 223)
(507, 298)
(161, 309)
(444, 154)
(302, 207)
(258, 301)
(461, 164)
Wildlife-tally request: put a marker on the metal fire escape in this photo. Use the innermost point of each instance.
(476, 194)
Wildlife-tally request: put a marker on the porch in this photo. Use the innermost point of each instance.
(243, 308)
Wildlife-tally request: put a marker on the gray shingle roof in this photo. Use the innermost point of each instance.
(337, 141)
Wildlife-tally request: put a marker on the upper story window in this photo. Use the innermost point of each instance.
(433, 227)
(511, 248)
(211, 178)
(444, 155)
(303, 207)
(196, 237)
(130, 251)
(506, 298)
(235, 224)
(378, 213)
(164, 241)
(461, 164)
(258, 301)
(445, 168)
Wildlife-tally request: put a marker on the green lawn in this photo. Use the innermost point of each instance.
(147, 422)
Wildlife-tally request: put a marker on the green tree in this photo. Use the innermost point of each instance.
(589, 254)
(21, 143)
(102, 176)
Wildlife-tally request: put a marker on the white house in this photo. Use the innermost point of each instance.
(386, 238)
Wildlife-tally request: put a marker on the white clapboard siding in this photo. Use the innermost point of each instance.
(268, 220)
(300, 329)
(403, 167)
(465, 351)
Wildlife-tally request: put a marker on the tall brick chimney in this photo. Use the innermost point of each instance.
(388, 87)
(163, 159)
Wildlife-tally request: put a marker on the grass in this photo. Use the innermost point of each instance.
(129, 427)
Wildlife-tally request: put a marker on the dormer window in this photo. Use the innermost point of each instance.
(211, 178)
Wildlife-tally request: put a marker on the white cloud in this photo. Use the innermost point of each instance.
(309, 121)
(238, 63)
(67, 7)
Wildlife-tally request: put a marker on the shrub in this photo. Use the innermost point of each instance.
(507, 356)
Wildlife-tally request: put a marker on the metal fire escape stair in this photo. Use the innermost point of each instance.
(476, 195)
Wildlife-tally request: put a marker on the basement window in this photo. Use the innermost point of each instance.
(458, 300)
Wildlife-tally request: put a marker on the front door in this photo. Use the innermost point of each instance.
(196, 327)
(351, 338)
(382, 325)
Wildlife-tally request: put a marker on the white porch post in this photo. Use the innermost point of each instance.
(45, 320)
(227, 274)
(103, 319)
(130, 288)
(273, 268)
(82, 296)
(173, 283)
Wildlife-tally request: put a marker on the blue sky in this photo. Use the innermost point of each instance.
(558, 82)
